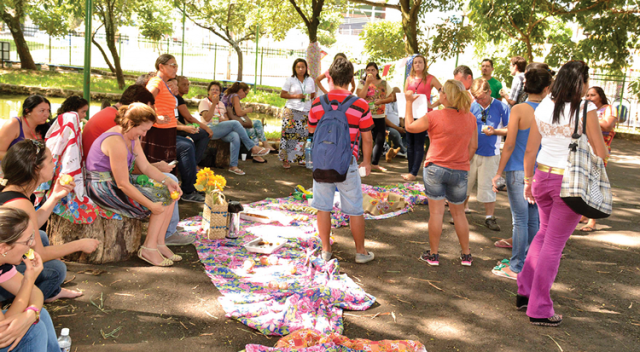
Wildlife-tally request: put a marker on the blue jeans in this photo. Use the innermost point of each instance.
(256, 133)
(396, 139)
(175, 217)
(49, 280)
(39, 338)
(201, 140)
(232, 132)
(441, 182)
(525, 219)
(415, 151)
(350, 193)
(187, 163)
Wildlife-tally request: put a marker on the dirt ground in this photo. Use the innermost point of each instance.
(134, 307)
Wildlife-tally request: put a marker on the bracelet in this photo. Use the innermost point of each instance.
(527, 180)
(164, 180)
(35, 310)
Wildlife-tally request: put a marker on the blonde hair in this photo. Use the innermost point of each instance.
(425, 74)
(134, 115)
(457, 95)
(479, 86)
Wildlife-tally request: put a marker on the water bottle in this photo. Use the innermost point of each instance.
(307, 154)
(234, 224)
(64, 341)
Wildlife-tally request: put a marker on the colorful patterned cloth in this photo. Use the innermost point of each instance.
(308, 340)
(311, 294)
(314, 56)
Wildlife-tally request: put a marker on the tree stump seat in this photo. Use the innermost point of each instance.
(119, 239)
(223, 153)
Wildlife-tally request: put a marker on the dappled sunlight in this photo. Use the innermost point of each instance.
(626, 239)
(450, 329)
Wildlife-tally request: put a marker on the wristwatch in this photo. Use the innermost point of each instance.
(35, 310)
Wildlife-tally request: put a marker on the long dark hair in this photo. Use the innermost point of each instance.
(72, 103)
(236, 87)
(568, 87)
(376, 67)
(23, 162)
(32, 101)
(295, 63)
(13, 222)
(603, 97)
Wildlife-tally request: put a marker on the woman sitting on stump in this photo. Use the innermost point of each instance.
(111, 185)
(26, 165)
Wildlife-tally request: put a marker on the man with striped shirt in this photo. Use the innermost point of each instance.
(360, 122)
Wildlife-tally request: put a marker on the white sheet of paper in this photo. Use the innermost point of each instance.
(420, 107)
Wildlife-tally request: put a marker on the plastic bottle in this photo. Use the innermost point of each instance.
(307, 154)
(64, 341)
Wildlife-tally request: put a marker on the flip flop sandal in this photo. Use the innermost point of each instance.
(587, 229)
(503, 244)
(237, 172)
(262, 152)
(174, 257)
(554, 321)
(260, 162)
(165, 262)
(501, 273)
(380, 168)
(286, 166)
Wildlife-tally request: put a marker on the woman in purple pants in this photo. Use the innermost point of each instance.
(551, 134)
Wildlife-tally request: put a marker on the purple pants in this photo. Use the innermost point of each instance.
(557, 222)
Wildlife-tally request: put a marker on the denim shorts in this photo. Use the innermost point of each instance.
(350, 193)
(441, 182)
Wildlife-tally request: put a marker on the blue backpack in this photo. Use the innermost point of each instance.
(332, 151)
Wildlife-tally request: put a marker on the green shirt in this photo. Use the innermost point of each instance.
(495, 88)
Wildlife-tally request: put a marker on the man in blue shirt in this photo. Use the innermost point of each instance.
(493, 117)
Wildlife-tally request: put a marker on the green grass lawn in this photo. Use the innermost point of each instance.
(46, 79)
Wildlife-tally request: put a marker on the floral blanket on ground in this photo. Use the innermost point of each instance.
(294, 289)
(309, 340)
(64, 140)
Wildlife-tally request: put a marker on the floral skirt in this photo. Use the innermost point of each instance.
(608, 138)
(294, 135)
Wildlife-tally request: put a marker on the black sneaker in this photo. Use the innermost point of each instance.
(522, 303)
(194, 197)
(466, 259)
(492, 224)
(431, 259)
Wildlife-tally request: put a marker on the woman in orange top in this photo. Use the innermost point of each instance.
(160, 142)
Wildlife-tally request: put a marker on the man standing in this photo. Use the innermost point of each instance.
(492, 117)
(463, 74)
(517, 67)
(359, 121)
(487, 71)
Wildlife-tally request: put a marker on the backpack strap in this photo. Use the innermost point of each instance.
(346, 104)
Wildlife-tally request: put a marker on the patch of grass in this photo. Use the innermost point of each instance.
(266, 98)
(46, 79)
(273, 135)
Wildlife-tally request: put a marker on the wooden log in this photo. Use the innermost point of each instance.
(223, 153)
(119, 239)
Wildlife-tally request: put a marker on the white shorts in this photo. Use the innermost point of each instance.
(483, 168)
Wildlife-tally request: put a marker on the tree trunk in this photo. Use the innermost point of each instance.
(104, 55)
(119, 240)
(111, 44)
(240, 64)
(26, 61)
(223, 153)
(529, 49)
(409, 25)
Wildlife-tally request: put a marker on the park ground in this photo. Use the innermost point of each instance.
(130, 306)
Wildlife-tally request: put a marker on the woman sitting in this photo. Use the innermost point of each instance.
(28, 164)
(36, 109)
(111, 185)
(77, 104)
(231, 101)
(26, 325)
(214, 114)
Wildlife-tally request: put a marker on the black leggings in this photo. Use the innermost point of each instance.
(380, 134)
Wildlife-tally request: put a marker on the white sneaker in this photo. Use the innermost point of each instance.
(326, 256)
(364, 258)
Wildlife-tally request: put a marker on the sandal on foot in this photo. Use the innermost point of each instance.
(165, 262)
(503, 244)
(554, 321)
(522, 303)
(286, 165)
(499, 272)
(174, 257)
(302, 163)
(237, 172)
(587, 229)
(261, 152)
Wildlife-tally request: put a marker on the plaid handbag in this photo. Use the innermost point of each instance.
(585, 184)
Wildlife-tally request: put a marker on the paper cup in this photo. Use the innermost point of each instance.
(363, 171)
(244, 157)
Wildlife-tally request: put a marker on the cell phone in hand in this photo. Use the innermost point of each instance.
(173, 163)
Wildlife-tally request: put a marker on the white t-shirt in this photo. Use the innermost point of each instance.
(293, 86)
(554, 146)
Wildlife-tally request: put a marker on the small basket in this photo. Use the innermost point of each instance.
(215, 217)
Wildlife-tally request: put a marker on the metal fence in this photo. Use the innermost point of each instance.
(616, 88)
(138, 54)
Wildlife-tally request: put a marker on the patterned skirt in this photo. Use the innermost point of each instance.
(104, 191)
(160, 144)
(608, 138)
(294, 135)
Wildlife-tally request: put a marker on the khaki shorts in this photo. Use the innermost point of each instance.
(483, 168)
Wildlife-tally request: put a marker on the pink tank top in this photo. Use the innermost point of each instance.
(420, 87)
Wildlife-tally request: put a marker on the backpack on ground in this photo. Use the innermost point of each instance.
(332, 150)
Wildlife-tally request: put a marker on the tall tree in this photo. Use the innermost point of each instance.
(47, 14)
(383, 41)
(310, 14)
(236, 21)
(611, 27)
(412, 11)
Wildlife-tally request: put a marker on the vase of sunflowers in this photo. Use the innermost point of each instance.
(215, 219)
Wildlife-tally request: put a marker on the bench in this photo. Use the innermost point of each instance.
(223, 153)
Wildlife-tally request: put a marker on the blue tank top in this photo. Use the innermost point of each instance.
(516, 161)
(20, 136)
